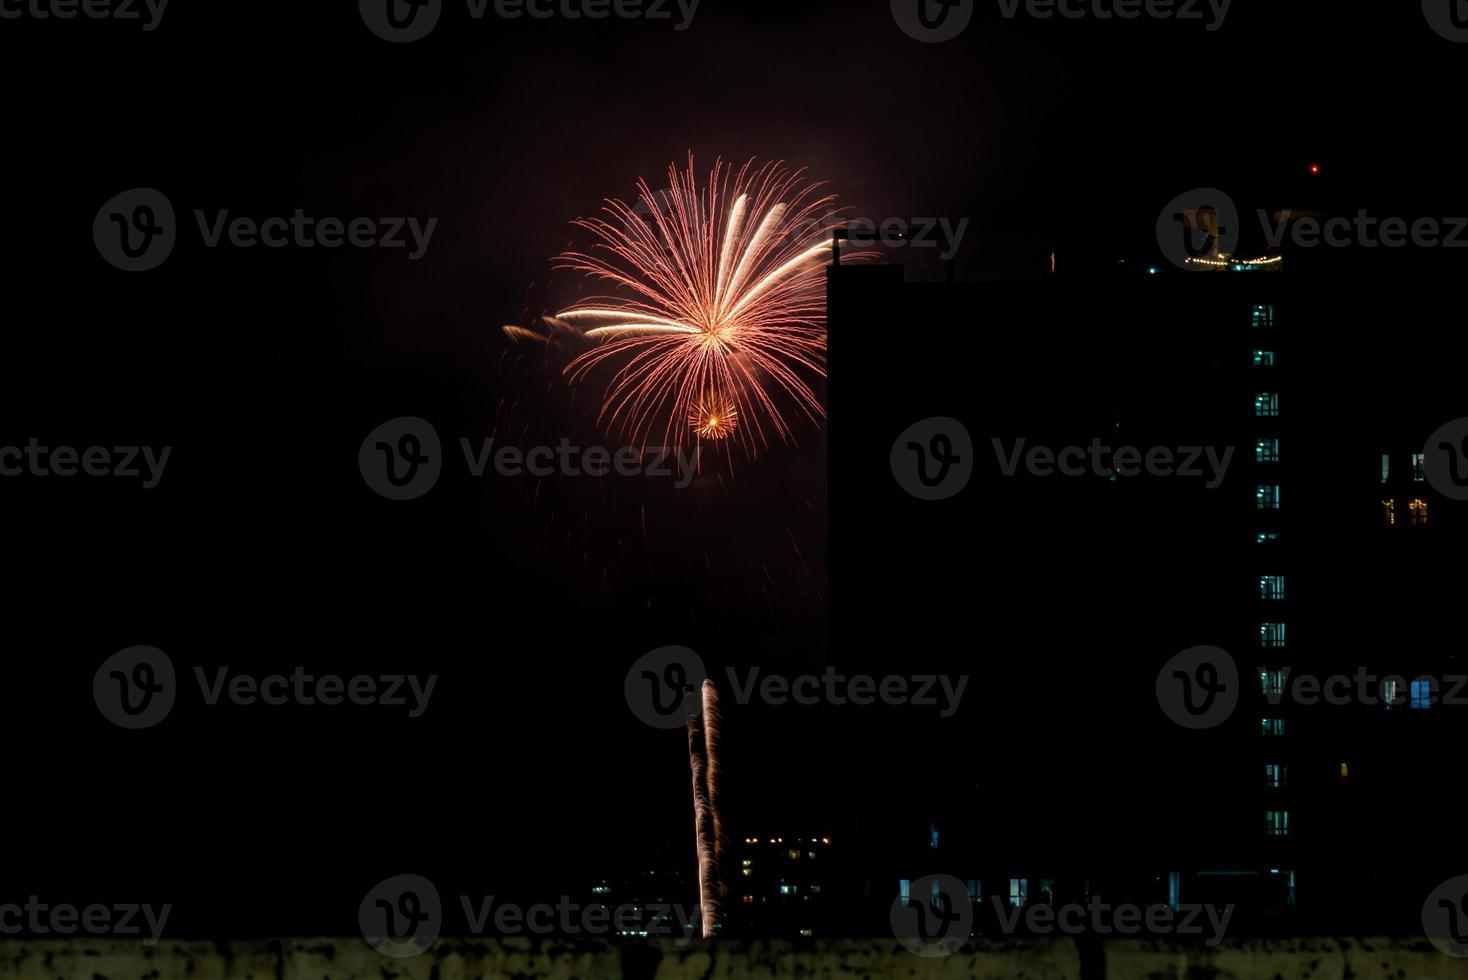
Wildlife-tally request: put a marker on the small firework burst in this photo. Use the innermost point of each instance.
(714, 420)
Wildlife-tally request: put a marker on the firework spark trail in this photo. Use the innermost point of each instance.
(726, 305)
(703, 762)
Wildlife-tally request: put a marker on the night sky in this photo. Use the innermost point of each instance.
(264, 369)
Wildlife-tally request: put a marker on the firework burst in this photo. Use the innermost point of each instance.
(719, 312)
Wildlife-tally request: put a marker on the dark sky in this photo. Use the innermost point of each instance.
(265, 369)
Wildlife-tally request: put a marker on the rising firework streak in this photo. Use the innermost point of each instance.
(703, 761)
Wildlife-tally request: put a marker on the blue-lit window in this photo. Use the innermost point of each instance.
(1388, 694)
(1264, 358)
(1419, 470)
(1271, 726)
(1266, 404)
(1271, 634)
(1019, 892)
(1266, 496)
(975, 890)
(1421, 695)
(903, 888)
(1386, 468)
(1266, 537)
(1274, 774)
(1266, 451)
(1272, 682)
(1262, 317)
(789, 889)
(1271, 587)
(1277, 823)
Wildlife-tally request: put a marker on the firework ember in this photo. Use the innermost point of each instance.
(720, 303)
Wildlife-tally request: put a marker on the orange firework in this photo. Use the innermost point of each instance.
(715, 420)
(720, 305)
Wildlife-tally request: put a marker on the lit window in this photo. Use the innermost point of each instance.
(815, 889)
(1419, 471)
(1417, 512)
(1271, 634)
(1266, 537)
(748, 899)
(1272, 681)
(1389, 512)
(788, 889)
(1266, 404)
(1421, 695)
(1019, 892)
(1262, 317)
(1266, 451)
(1345, 770)
(1266, 496)
(1386, 467)
(807, 933)
(1271, 587)
(1271, 726)
(1277, 823)
(794, 855)
(975, 890)
(1388, 694)
(1274, 774)
(1264, 358)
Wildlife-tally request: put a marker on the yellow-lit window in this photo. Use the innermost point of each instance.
(1345, 770)
(1389, 512)
(1417, 512)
